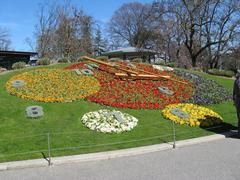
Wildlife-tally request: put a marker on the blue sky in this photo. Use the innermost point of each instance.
(20, 16)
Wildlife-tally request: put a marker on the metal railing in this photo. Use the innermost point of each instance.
(47, 143)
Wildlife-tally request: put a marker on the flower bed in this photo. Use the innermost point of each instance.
(192, 115)
(107, 121)
(206, 91)
(136, 93)
(53, 85)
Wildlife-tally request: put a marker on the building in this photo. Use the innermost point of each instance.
(8, 58)
(131, 53)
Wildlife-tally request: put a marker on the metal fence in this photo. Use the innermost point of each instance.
(46, 144)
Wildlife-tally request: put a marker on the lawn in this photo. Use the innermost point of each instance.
(23, 138)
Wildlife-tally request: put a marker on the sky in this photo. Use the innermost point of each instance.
(19, 17)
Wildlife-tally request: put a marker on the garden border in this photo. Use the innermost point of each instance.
(110, 154)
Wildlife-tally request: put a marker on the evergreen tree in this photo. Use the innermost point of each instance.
(99, 43)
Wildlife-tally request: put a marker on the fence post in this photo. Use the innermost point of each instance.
(174, 135)
(49, 149)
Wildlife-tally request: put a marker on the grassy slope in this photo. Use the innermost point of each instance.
(19, 134)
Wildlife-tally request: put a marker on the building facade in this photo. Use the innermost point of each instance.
(8, 58)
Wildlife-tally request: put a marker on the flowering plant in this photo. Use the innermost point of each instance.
(206, 91)
(191, 114)
(107, 121)
(136, 93)
(53, 85)
(163, 68)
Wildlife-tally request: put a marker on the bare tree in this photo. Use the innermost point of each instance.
(86, 38)
(132, 23)
(47, 23)
(30, 43)
(4, 39)
(64, 34)
(64, 31)
(205, 25)
(223, 27)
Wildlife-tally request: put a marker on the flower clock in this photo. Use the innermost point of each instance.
(108, 121)
(52, 85)
(192, 115)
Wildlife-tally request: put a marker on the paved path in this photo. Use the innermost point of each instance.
(217, 160)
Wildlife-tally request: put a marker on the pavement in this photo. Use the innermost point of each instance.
(213, 160)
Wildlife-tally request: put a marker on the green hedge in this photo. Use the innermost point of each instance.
(218, 72)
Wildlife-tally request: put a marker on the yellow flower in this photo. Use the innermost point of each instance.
(191, 114)
(53, 85)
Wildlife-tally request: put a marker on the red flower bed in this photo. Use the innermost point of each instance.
(136, 93)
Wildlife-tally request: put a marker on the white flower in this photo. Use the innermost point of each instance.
(162, 68)
(109, 121)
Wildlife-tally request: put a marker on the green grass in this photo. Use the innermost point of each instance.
(23, 138)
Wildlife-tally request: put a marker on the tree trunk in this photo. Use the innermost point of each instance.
(194, 61)
(215, 66)
(211, 64)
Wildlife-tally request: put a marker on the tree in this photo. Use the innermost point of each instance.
(223, 27)
(99, 42)
(86, 38)
(65, 41)
(132, 23)
(64, 31)
(205, 25)
(4, 39)
(231, 59)
(30, 43)
(47, 23)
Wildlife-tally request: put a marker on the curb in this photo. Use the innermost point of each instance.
(110, 154)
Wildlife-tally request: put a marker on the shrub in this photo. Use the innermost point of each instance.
(63, 60)
(137, 60)
(197, 69)
(170, 64)
(43, 61)
(217, 72)
(80, 59)
(2, 69)
(19, 65)
(102, 58)
(114, 59)
(162, 63)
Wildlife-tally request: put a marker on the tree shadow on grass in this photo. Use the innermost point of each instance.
(226, 129)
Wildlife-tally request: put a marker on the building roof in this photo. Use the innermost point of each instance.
(129, 50)
(21, 53)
